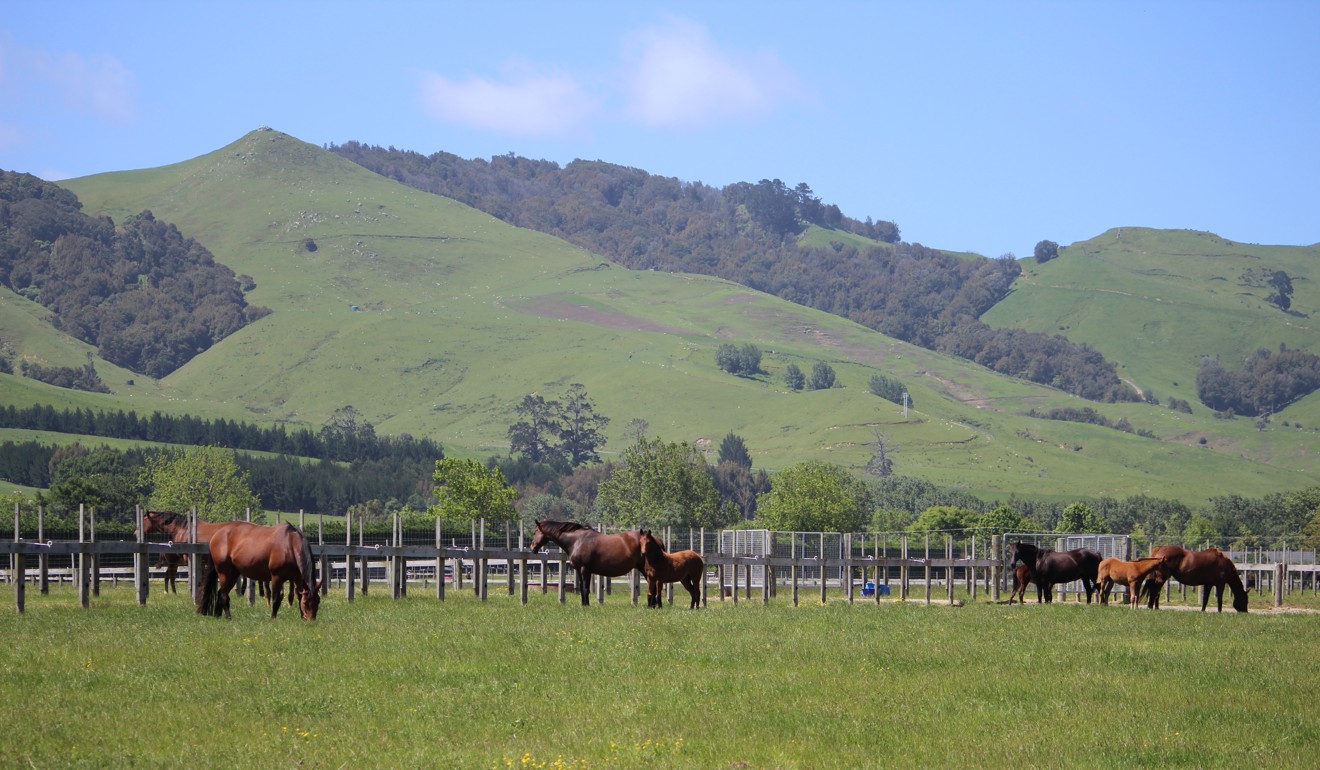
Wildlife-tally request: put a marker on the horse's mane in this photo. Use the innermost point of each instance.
(557, 528)
(169, 519)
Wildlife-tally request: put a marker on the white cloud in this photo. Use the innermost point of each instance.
(527, 103)
(679, 77)
(98, 85)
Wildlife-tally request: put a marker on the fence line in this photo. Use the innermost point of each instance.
(738, 563)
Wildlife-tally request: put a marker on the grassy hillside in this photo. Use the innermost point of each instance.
(434, 319)
(1159, 300)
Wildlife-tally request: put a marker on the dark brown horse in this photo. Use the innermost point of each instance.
(1050, 567)
(279, 554)
(591, 552)
(660, 567)
(1022, 577)
(1130, 574)
(1198, 568)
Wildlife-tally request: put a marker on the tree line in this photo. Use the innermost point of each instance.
(149, 298)
(345, 438)
(748, 233)
(1265, 383)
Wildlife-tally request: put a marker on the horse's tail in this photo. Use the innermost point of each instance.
(208, 592)
(306, 564)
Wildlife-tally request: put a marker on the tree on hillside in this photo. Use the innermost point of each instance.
(205, 478)
(580, 427)
(814, 497)
(822, 376)
(794, 378)
(1045, 251)
(466, 490)
(635, 430)
(661, 484)
(734, 450)
(534, 435)
(1283, 290)
(881, 463)
(744, 360)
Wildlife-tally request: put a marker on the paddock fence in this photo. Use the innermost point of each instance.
(741, 565)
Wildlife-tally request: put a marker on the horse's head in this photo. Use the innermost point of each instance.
(1022, 552)
(151, 522)
(538, 538)
(648, 542)
(309, 600)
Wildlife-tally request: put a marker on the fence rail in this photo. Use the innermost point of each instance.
(915, 565)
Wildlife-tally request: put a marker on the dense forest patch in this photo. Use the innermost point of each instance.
(148, 297)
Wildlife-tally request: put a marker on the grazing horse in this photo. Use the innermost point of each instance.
(660, 567)
(591, 552)
(176, 527)
(1129, 573)
(1198, 568)
(1050, 567)
(279, 554)
(1022, 578)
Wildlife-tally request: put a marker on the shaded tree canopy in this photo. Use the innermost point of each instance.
(814, 497)
(1266, 382)
(148, 297)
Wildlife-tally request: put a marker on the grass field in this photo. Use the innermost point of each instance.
(416, 682)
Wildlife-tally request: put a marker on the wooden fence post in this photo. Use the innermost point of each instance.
(1279, 580)
(142, 578)
(96, 557)
(439, 561)
(43, 559)
(903, 572)
(348, 556)
(995, 550)
(84, 597)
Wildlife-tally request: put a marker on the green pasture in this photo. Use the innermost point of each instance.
(420, 683)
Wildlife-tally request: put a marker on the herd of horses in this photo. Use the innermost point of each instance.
(1143, 577)
(280, 554)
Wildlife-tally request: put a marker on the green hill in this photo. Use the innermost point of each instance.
(1158, 301)
(434, 319)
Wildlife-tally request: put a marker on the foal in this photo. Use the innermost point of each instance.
(662, 567)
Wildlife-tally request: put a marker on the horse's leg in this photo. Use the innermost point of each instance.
(1089, 585)
(694, 590)
(277, 596)
(583, 586)
(1219, 595)
(227, 581)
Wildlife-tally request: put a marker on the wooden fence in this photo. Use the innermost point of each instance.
(861, 567)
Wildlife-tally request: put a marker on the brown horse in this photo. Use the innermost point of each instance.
(1128, 573)
(279, 554)
(660, 567)
(1022, 577)
(176, 527)
(591, 552)
(1198, 568)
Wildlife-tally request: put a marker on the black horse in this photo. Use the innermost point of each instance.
(1057, 567)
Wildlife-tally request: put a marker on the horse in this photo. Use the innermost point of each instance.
(279, 554)
(660, 567)
(1129, 573)
(177, 527)
(1198, 568)
(1022, 578)
(1050, 567)
(591, 552)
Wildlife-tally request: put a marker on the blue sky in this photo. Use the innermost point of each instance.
(977, 126)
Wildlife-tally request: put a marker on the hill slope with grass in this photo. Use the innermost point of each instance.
(1159, 301)
(434, 319)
